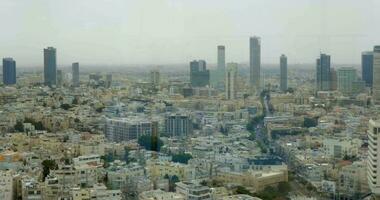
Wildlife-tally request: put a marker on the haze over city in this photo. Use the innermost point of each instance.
(122, 32)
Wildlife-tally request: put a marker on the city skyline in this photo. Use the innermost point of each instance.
(123, 38)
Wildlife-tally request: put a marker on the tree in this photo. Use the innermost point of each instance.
(152, 143)
(48, 165)
(182, 158)
(243, 190)
(65, 106)
(19, 126)
(310, 122)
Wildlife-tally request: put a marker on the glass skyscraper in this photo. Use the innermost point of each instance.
(323, 74)
(50, 66)
(9, 71)
(367, 68)
(283, 73)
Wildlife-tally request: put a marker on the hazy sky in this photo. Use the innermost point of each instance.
(177, 31)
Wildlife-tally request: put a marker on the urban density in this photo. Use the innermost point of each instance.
(210, 129)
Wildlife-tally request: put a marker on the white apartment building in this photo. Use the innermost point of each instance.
(6, 185)
(373, 162)
(193, 191)
(160, 195)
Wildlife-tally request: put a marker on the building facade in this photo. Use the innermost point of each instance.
(9, 71)
(50, 66)
(376, 74)
(367, 68)
(178, 125)
(346, 77)
(323, 77)
(254, 63)
(125, 129)
(283, 73)
(75, 71)
(231, 80)
(199, 75)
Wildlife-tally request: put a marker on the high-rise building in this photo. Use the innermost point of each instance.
(59, 78)
(199, 75)
(178, 125)
(50, 66)
(333, 79)
(323, 77)
(9, 71)
(346, 77)
(376, 74)
(254, 63)
(367, 68)
(231, 80)
(155, 77)
(283, 73)
(373, 160)
(221, 58)
(75, 71)
(108, 80)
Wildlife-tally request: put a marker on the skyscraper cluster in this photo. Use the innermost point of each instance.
(199, 74)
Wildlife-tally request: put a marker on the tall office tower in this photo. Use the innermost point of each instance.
(231, 80)
(367, 68)
(9, 71)
(283, 73)
(155, 77)
(199, 75)
(221, 58)
(50, 66)
(376, 74)
(108, 80)
(333, 79)
(75, 71)
(323, 77)
(178, 125)
(254, 63)
(59, 78)
(373, 160)
(346, 77)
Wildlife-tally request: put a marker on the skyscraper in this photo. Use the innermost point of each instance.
(9, 71)
(75, 71)
(221, 58)
(59, 78)
(50, 66)
(254, 63)
(108, 80)
(367, 67)
(346, 77)
(373, 160)
(323, 77)
(231, 80)
(376, 74)
(333, 79)
(199, 75)
(155, 77)
(283, 73)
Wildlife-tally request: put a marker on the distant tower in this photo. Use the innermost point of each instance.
(199, 75)
(254, 63)
(75, 71)
(155, 77)
(323, 78)
(376, 74)
(283, 73)
(59, 78)
(231, 80)
(50, 66)
(346, 78)
(333, 79)
(108, 80)
(367, 68)
(221, 58)
(9, 71)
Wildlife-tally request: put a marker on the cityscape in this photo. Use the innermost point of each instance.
(219, 123)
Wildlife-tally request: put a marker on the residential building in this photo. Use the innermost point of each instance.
(125, 129)
(373, 161)
(193, 191)
(178, 125)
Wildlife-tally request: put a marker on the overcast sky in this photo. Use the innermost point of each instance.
(177, 31)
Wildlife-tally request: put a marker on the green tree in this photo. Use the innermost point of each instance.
(243, 190)
(48, 165)
(182, 158)
(19, 126)
(65, 106)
